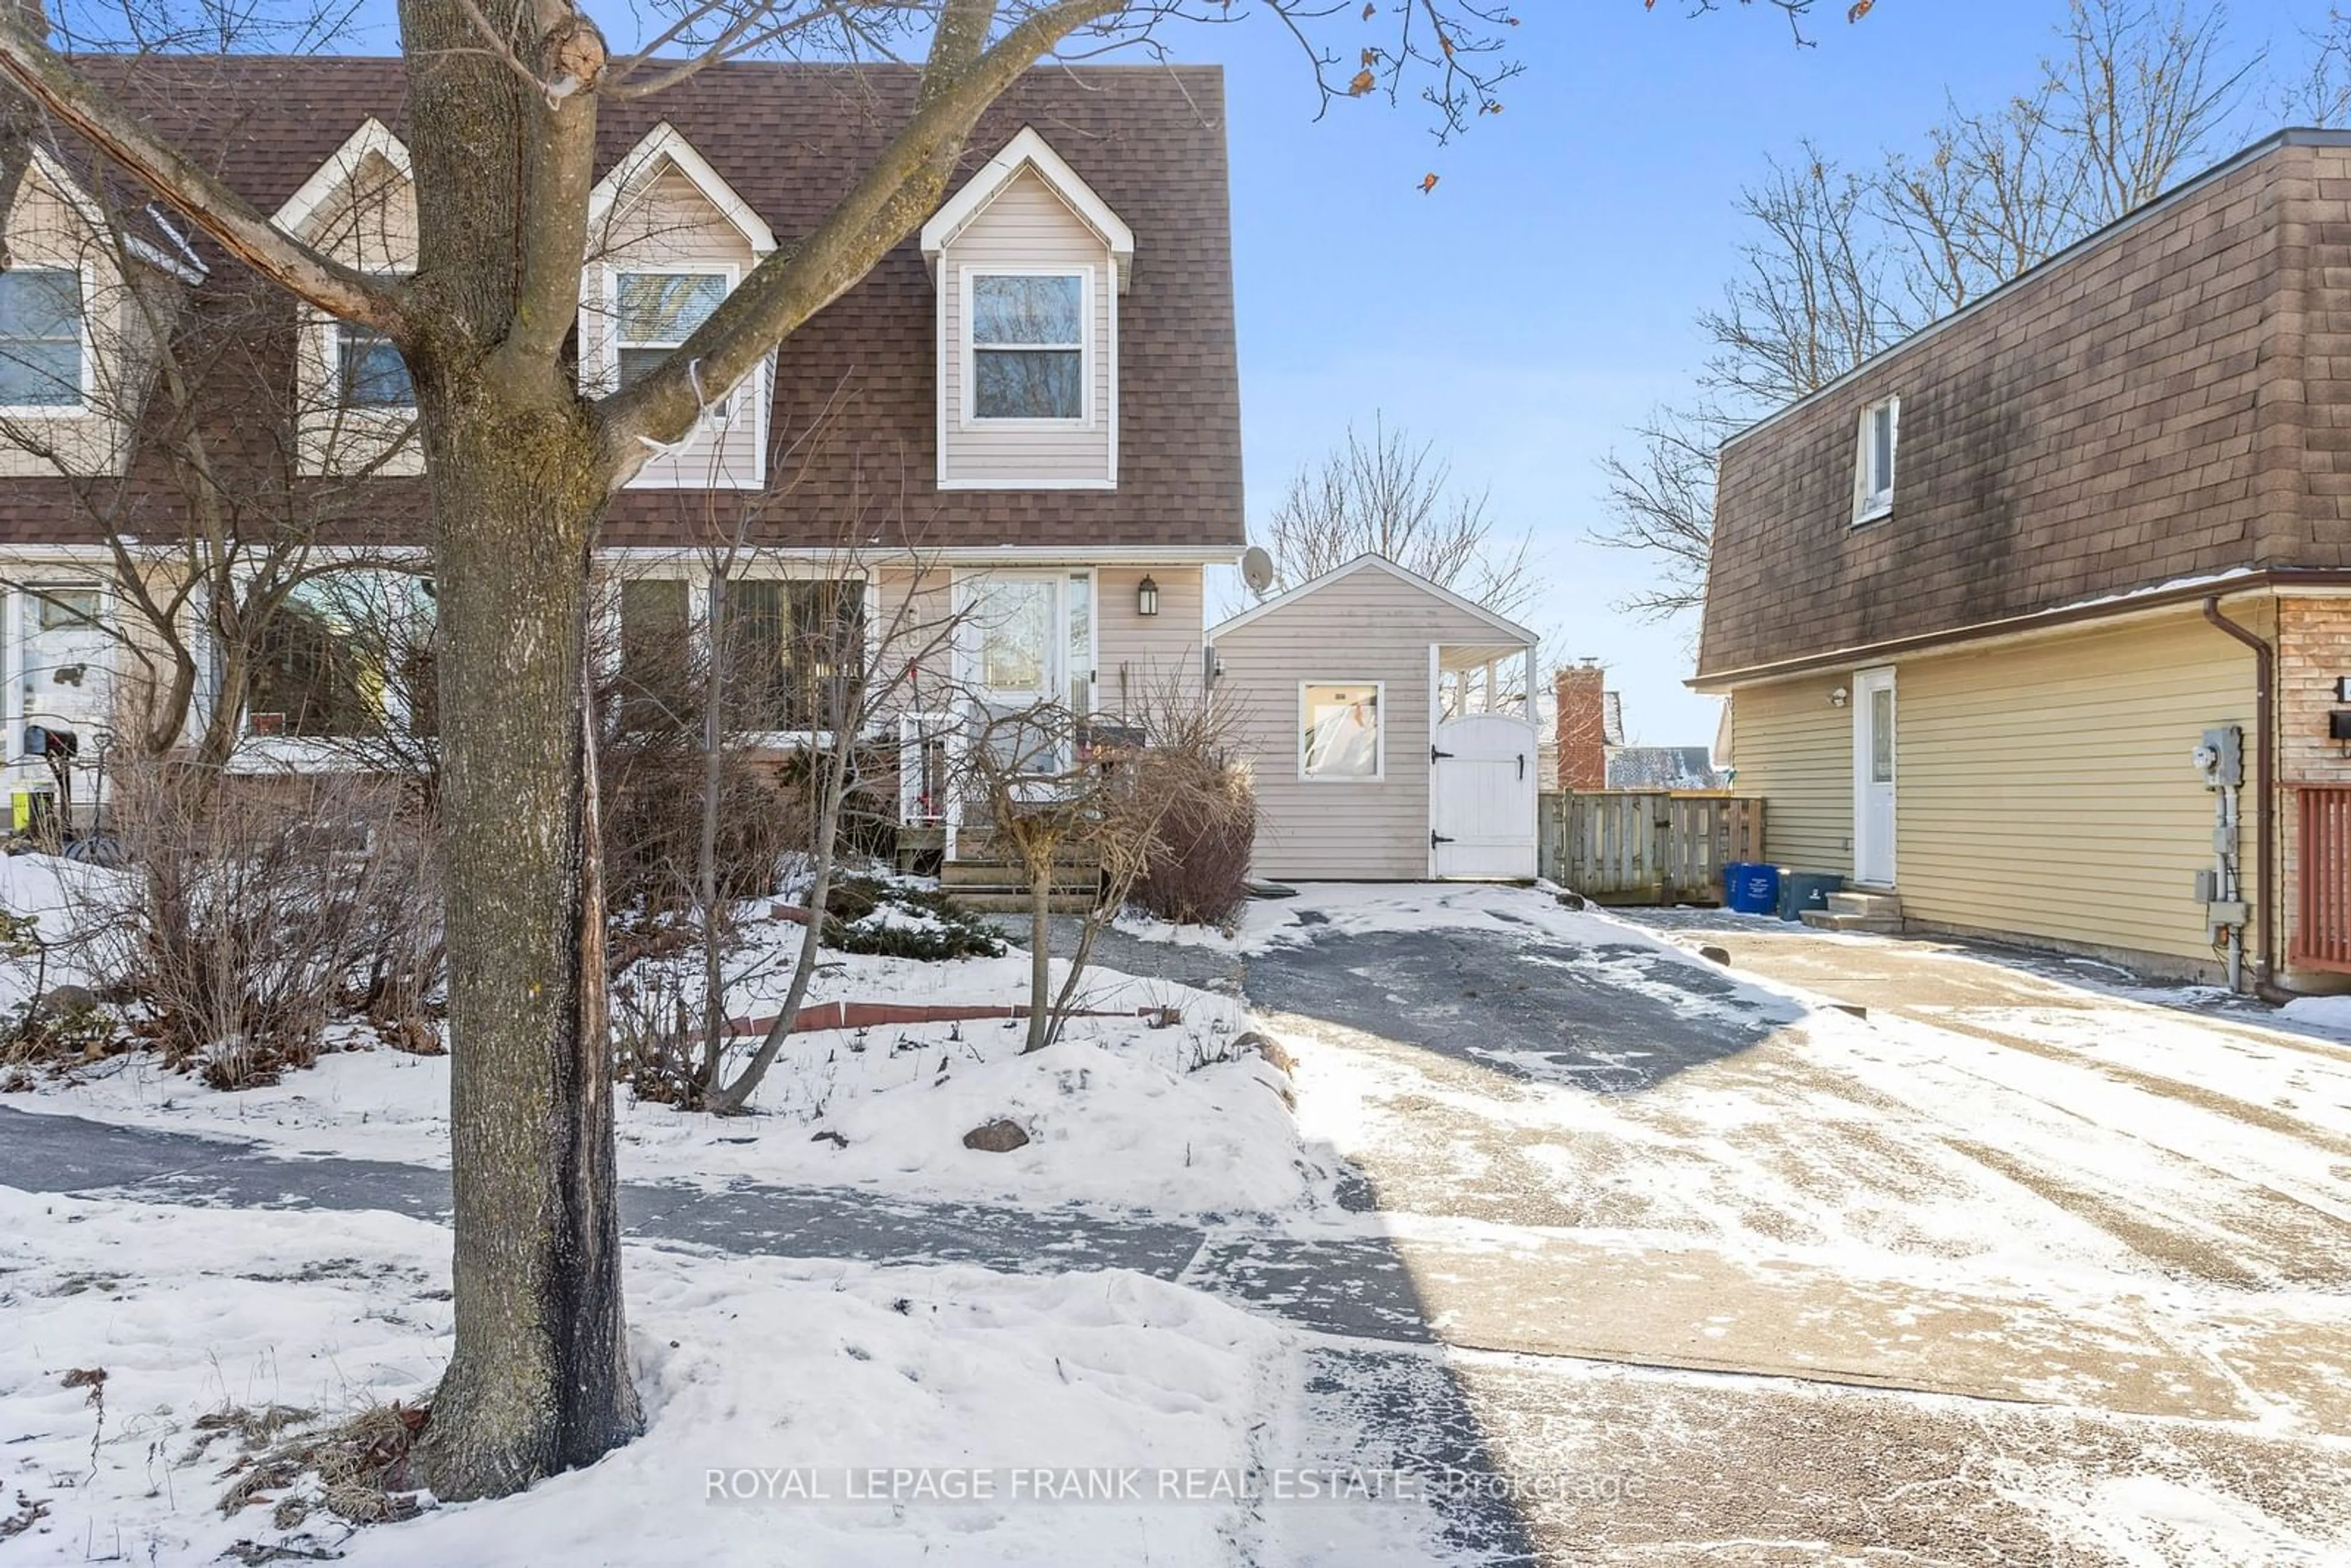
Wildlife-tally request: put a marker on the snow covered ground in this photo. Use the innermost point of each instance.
(1122, 1112)
(1993, 1268)
(836, 1407)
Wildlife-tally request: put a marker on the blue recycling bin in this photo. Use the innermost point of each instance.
(1755, 889)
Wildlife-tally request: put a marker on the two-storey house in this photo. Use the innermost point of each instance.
(1028, 411)
(2040, 621)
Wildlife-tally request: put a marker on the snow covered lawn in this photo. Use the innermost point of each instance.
(782, 1379)
(1121, 1112)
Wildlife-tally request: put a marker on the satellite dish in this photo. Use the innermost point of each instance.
(1257, 570)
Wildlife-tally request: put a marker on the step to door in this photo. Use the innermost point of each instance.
(1866, 905)
(1830, 920)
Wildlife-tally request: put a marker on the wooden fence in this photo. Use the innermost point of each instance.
(1648, 846)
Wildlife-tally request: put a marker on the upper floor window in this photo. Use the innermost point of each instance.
(655, 312)
(1873, 485)
(41, 348)
(1028, 345)
(368, 371)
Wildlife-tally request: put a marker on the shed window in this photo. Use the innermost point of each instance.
(1340, 735)
(40, 339)
(1873, 483)
(1028, 345)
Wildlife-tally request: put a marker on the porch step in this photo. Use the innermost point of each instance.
(1869, 905)
(1857, 911)
(1825, 920)
(1015, 901)
(1078, 876)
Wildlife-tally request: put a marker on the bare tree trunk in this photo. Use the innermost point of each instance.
(540, 1380)
(1041, 952)
(705, 883)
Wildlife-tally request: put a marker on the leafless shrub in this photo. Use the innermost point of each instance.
(1198, 871)
(1101, 795)
(260, 907)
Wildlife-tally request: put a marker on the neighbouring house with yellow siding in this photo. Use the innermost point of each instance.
(1980, 606)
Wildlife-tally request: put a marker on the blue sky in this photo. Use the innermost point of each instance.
(1540, 300)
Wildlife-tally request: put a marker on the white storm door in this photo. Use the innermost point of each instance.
(65, 660)
(1014, 655)
(1873, 754)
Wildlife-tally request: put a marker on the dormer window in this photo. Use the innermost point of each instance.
(42, 355)
(657, 312)
(1028, 345)
(1872, 480)
(368, 371)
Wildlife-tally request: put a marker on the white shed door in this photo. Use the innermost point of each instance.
(1481, 787)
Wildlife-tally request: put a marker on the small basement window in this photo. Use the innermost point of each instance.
(1028, 345)
(1873, 485)
(1339, 733)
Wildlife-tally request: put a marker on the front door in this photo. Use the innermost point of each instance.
(1873, 752)
(1013, 638)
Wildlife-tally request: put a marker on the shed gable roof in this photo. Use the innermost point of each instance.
(1509, 631)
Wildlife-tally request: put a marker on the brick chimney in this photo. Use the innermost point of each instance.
(1579, 691)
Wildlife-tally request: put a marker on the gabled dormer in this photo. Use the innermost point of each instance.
(668, 239)
(355, 409)
(1028, 262)
(83, 295)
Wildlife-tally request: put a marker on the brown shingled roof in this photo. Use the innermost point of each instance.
(789, 139)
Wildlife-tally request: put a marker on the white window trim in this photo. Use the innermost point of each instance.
(606, 378)
(1380, 739)
(1871, 505)
(88, 273)
(1088, 279)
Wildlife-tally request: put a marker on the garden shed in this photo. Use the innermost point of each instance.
(1387, 719)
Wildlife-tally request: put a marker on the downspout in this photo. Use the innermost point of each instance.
(2265, 796)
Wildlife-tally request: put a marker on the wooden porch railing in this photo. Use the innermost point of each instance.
(2322, 929)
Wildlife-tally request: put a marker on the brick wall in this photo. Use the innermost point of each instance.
(1579, 691)
(2173, 401)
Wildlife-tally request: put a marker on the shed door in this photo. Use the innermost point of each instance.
(1481, 785)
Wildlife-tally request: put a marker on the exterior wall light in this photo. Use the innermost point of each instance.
(1839, 697)
(1147, 598)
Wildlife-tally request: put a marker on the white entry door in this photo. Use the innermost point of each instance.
(64, 659)
(1873, 752)
(1481, 785)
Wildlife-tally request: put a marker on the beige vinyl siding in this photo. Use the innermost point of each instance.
(370, 223)
(2045, 789)
(1367, 626)
(44, 230)
(1794, 748)
(671, 225)
(1144, 656)
(1028, 227)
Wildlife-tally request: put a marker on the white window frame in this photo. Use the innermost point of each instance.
(718, 415)
(80, 409)
(1872, 501)
(1379, 740)
(336, 327)
(1088, 281)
